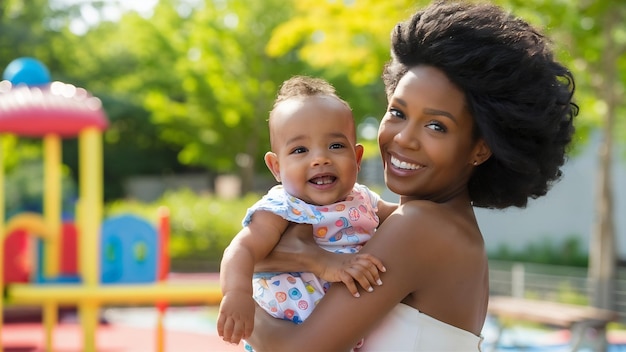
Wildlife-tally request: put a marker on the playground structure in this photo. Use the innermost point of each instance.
(86, 262)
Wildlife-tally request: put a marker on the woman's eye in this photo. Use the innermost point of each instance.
(436, 126)
(396, 113)
(336, 146)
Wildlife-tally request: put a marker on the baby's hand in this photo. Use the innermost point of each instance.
(236, 316)
(351, 268)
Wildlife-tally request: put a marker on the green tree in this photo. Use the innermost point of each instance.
(100, 61)
(342, 36)
(596, 39)
(593, 41)
(225, 82)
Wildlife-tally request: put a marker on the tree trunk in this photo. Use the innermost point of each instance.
(603, 254)
(247, 165)
(602, 258)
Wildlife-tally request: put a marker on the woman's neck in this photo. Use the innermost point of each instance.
(455, 197)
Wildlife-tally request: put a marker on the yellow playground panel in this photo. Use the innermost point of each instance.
(31, 106)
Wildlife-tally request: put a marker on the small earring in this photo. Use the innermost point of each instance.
(475, 163)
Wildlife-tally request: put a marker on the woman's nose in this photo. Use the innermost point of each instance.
(408, 137)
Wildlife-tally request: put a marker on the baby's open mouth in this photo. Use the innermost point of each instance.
(323, 180)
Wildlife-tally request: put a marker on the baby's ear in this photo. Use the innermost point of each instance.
(271, 160)
(358, 149)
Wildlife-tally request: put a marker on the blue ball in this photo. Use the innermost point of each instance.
(26, 70)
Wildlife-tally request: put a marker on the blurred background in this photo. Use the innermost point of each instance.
(187, 86)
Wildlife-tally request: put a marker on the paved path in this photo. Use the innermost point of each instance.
(188, 329)
(110, 338)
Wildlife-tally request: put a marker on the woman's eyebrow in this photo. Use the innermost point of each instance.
(429, 111)
(400, 101)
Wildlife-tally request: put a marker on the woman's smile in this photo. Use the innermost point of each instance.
(395, 162)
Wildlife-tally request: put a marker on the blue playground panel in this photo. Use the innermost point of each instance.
(129, 251)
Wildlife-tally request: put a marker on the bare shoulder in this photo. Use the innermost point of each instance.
(439, 223)
(419, 234)
(431, 251)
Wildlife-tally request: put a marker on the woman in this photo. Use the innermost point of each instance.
(480, 114)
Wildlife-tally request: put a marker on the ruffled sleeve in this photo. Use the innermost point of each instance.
(372, 196)
(286, 206)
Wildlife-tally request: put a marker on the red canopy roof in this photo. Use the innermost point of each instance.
(56, 108)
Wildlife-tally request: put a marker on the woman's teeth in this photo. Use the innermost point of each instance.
(403, 164)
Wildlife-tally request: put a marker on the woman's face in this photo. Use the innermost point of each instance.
(425, 137)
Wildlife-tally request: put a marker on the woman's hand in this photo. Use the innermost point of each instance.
(350, 269)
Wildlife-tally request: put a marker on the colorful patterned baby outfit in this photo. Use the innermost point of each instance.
(342, 227)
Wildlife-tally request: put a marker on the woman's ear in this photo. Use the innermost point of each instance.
(271, 161)
(482, 152)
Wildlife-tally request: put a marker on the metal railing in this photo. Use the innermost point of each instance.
(550, 282)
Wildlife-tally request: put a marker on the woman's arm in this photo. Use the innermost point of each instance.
(339, 318)
(297, 251)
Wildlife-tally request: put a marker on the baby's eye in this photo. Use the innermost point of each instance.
(336, 146)
(436, 126)
(299, 150)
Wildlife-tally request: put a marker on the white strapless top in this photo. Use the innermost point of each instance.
(407, 329)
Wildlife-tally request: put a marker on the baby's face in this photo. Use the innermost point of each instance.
(315, 155)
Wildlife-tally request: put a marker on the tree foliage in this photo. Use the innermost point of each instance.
(190, 85)
(225, 84)
(342, 36)
(354, 37)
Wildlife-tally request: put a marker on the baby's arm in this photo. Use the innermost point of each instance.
(252, 244)
(385, 209)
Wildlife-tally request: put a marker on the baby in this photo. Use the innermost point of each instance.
(316, 159)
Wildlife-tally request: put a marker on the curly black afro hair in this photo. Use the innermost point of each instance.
(519, 95)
